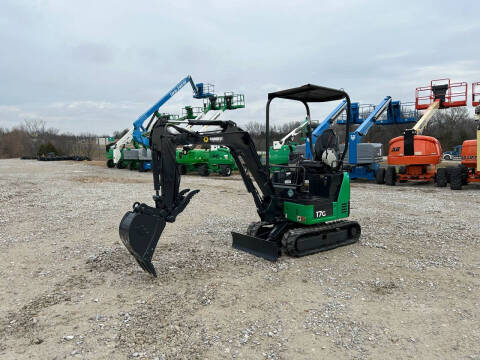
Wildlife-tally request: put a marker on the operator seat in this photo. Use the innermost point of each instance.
(328, 140)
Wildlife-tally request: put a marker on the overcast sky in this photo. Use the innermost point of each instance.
(95, 66)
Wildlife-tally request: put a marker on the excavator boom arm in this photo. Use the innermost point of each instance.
(141, 228)
(167, 136)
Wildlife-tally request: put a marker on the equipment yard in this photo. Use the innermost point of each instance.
(408, 289)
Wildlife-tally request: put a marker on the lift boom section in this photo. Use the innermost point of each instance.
(426, 117)
(139, 129)
(136, 132)
(362, 130)
(278, 144)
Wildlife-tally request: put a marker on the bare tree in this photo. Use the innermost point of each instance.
(119, 134)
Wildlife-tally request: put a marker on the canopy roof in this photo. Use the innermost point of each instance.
(309, 93)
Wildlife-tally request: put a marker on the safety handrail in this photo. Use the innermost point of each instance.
(476, 93)
(456, 94)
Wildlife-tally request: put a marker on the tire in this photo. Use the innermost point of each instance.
(120, 165)
(456, 178)
(140, 166)
(182, 169)
(131, 165)
(391, 176)
(226, 170)
(110, 163)
(441, 178)
(447, 157)
(464, 174)
(203, 170)
(448, 170)
(380, 176)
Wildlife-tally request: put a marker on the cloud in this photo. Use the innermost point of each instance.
(98, 65)
(93, 52)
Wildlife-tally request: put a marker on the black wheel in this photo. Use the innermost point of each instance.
(447, 157)
(110, 163)
(380, 176)
(464, 174)
(141, 168)
(203, 170)
(441, 178)
(456, 178)
(447, 171)
(182, 169)
(121, 165)
(131, 165)
(226, 170)
(391, 176)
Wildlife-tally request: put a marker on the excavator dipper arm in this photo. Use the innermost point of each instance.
(141, 228)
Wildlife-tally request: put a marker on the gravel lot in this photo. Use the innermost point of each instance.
(408, 289)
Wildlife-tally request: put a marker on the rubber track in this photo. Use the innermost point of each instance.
(291, 236)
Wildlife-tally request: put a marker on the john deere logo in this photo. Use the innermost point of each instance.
(205, 139)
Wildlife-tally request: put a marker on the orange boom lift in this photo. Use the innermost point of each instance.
(469, 170)
(418, 155)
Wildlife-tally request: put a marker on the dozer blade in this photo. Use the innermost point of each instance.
(268, 250)
(140, 233)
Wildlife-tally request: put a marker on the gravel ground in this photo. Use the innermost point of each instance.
(408, 289)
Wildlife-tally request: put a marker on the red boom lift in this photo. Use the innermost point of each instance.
(469, 170)
(416, 154)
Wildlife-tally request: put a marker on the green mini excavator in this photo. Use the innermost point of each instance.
(302, 206)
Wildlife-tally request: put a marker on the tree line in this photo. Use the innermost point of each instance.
(451, 127)
(34, 138)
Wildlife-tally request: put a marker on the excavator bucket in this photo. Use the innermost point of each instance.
(140, 233)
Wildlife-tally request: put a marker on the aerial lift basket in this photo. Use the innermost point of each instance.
(450, 94)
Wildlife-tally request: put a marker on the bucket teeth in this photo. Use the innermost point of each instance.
(147, 266)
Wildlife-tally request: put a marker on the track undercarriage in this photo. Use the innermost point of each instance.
(296, 240)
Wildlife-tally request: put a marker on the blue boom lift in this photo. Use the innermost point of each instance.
(366, 166)
(362, 160)
(199, 93)
(136, 133)
(330, 120)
